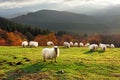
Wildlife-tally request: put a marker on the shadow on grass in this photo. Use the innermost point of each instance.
(28, 69)
(100, 51)
(90, 52)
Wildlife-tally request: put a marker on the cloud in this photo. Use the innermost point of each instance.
(81, 6)
(8, 4)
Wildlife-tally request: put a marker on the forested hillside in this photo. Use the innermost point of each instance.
(63, 21)
(12, 33)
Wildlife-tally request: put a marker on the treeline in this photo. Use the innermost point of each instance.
(11, 26)
(12, 34)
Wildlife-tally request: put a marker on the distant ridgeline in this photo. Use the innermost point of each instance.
(11, 26)
(64, 21)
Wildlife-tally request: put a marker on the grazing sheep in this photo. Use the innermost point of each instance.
(50, 43)
(71, 44)
(24, 44)
(112, 45)
(76, 44)
(93, 47)
(81, 44)
(87, 44)
(33, 44)
(66, 45)
(50, 53)
(103, 46)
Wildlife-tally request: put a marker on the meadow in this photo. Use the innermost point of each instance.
(75, 63)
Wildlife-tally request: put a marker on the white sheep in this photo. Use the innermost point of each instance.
(112, 45)
(81, 44)
(93, 47)
(76, 44)
(33, 44)
(71, 44)
(103, 46)
(50, 53)
(24, 44)
(66, 45)
(50, 43)
(87, 44)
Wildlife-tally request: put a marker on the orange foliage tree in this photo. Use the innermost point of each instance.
(14, 39)
(64, 38)
(94, 39)
(43, 39)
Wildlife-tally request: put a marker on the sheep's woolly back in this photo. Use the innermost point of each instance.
(50, 43)
(112, 46)
(87, 44)
(71, 43)
(93, 47)
(66, 44)
(81, 44)
(50, 53)
(103, 46)
(33, 43)
(76, 44)
(24, 43)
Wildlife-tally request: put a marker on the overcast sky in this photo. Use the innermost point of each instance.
(82, 6)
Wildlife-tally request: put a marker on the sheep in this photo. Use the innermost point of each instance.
(50, 53)
(81, 44)
(24, 43)
(66, 45)
(50, 43)
(112, 45)
(76, 44)
(33, 44)
(103, 46)
(93, 47)
(87, 44)
(71, 44)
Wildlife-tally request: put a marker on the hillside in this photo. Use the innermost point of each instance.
(60, 20)
(12, 26)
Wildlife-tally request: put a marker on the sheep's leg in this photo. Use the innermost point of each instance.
(44, 59)
(55, 60)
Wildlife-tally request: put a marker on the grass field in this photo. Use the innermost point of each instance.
(17, 63)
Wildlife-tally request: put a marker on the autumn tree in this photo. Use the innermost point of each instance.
(41, 39)
(94, 39)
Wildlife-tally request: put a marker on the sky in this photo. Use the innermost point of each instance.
(12, 7)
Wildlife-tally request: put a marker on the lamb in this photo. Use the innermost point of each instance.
(33, 44)
(50, 43)
(71, 44)
(66, 45)
(50, 53)
(24, 44)
(93, 47)
(81, 44)
(76, 44)
(103, 46)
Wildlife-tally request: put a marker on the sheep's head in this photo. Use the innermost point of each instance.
(56, 49)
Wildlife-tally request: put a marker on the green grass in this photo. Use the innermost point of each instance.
(73, 64)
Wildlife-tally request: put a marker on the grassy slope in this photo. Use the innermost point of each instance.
(76, 63)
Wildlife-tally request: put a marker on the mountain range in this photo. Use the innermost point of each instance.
(71, 22)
